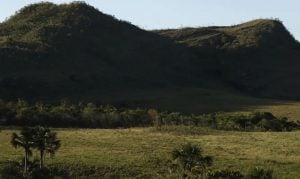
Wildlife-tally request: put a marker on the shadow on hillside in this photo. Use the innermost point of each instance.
(194, 100)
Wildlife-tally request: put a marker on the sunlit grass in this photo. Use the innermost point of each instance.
(144, 152)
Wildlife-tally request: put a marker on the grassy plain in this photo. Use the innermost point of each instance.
(144, 152)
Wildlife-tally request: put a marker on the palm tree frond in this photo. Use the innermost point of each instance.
(17, 141)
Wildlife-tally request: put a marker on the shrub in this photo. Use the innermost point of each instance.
(260, 173)
(190, 158)
(13, 170)
(38, 173)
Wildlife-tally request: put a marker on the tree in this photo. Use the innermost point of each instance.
(24, 140)
(153, 115)
(190, 158)
(45, 141)
(90, 114)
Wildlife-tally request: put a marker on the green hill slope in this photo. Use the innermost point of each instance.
(260, 33)
(74, 51)
(259, 57)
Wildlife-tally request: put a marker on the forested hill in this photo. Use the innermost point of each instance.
(259, 57)
(260, 33)
(75, 51)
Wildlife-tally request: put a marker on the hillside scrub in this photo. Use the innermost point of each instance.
(89, 115)
(46, 49)
(254, 57)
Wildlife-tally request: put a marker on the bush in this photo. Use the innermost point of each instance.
(190, 159)
(13, 170)
(38, 173)
(260, 173)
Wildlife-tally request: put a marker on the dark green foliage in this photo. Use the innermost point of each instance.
(40, 138)
(89, 115)
(13, 170)
(46, 142)
(26, 141)
(190, 158)
(43, 172)
(71, 115)
(189, 161)
(260, 173)
(257, 121)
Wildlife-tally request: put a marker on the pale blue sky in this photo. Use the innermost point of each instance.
(157, 14)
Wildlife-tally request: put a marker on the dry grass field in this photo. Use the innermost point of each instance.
(144, 152)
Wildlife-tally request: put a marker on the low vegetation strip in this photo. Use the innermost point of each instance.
(89, 115)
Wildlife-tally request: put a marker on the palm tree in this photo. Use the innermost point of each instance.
(24, 140)
(190, 158)
(46, 142)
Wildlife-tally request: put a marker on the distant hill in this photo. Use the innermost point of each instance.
(74, 51)
(259, 57)
(261, 33)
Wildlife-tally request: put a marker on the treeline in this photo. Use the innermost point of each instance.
(89, 115)
(256, 121)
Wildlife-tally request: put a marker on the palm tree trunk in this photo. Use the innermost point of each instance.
(41, 158)
(25, 161)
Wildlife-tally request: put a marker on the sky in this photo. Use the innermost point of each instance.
(162, 14)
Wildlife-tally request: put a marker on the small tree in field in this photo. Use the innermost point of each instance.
(40, 138)
(191, 159)
(24, 140)
(45, 141)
